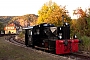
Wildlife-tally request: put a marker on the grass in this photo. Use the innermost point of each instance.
(12, 52)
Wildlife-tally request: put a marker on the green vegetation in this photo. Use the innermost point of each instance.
(5, 19)
(85, 45)
(1, 26)
(21, 35)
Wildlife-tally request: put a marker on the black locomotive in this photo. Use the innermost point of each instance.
(49, 37)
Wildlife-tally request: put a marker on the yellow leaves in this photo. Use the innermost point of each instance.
(74, 22)
(74, 25)
(51, 13)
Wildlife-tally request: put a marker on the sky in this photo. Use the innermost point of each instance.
(23, 7)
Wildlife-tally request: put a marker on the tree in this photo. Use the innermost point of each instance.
(83, 21)
(1, 26)
(88, 22)
(74, 25)
(52, 13)
(79, 11)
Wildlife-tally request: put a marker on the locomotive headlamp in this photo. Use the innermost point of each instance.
(39, 25)
(60, 37)
(66, 23)
(60, 28)
(75, 36)
(31, 33)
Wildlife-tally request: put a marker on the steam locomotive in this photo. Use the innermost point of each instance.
(51, 38)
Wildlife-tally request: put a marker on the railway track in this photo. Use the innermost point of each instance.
(77, 56)
(72, 56)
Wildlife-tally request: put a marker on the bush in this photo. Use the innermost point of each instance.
(85, 45)
(21, 35)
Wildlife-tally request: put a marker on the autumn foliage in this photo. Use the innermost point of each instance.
(52, 13)
(83, 22)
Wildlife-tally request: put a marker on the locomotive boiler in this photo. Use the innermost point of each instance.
(49, 37)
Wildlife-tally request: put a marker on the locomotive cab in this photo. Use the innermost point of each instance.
(43, 37)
